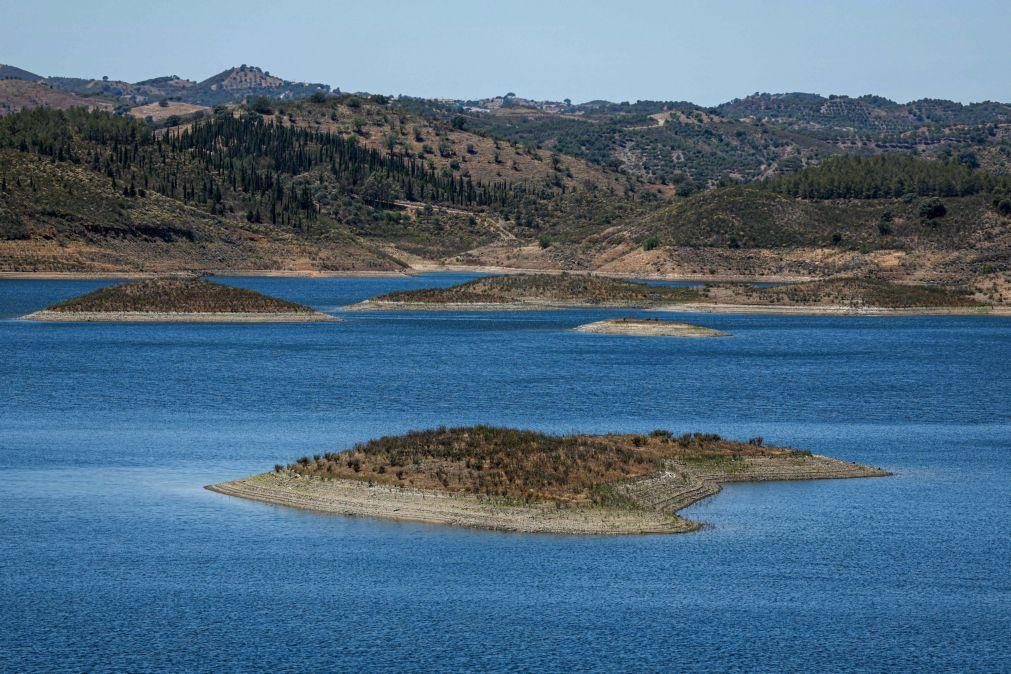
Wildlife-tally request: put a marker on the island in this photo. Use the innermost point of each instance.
(184, 300)
(526, 291)
(841, 295)
(648, 327)
(526, 481)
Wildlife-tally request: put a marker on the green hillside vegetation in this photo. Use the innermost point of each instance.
(889, 176)
(748, 217)
(747, 139)
(855, 203)
(320, 184)
(177, 295)
(62, 216)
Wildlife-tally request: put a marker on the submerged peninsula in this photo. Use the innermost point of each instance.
(184, 300)
(648, 327)
(842, 295)
(518, 480)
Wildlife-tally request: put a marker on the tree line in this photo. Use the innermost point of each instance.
(889, 176)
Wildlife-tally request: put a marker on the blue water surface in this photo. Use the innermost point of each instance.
(114, 557)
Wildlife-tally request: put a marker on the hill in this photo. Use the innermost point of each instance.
(692, 147)
(8, 72)
(314, 182)
(230, 86)
(375, 181)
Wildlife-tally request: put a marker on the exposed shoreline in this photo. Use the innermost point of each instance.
(660, 497)
(690, 307)
(170, 317)
(830, 310)
(266, 273)
(538, 305)
(687, 278)
(359, 499)
(414, 270)
(649, 327)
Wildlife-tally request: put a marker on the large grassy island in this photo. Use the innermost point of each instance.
(515, 480)
(844, 295)
(177, 300)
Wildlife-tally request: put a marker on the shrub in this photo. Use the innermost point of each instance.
(1002, 205)
(932, 208)
(262, 105)
(650, 243)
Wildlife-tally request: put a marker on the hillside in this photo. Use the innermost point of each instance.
(18, 94)
(372, 182)
(64, 217)
(692, 147)
(165, 110)
(320, 183)
(8, 72)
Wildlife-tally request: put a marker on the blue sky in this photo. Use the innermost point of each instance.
(703, 51)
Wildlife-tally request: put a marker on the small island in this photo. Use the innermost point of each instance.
(527, 291)
(182, 300)
(516, 480)
(648, 327)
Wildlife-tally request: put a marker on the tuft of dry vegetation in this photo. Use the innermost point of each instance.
(178, 295)
(525, 465)
(574, 288)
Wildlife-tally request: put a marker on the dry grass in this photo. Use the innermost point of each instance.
(158, 112)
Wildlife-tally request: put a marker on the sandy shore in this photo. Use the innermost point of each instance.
(832, 310)
(648, 328)
(167, 317)
(658, 497)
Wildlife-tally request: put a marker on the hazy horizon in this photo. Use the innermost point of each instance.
(706, 53)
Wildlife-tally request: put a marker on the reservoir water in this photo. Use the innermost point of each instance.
(114, 557)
